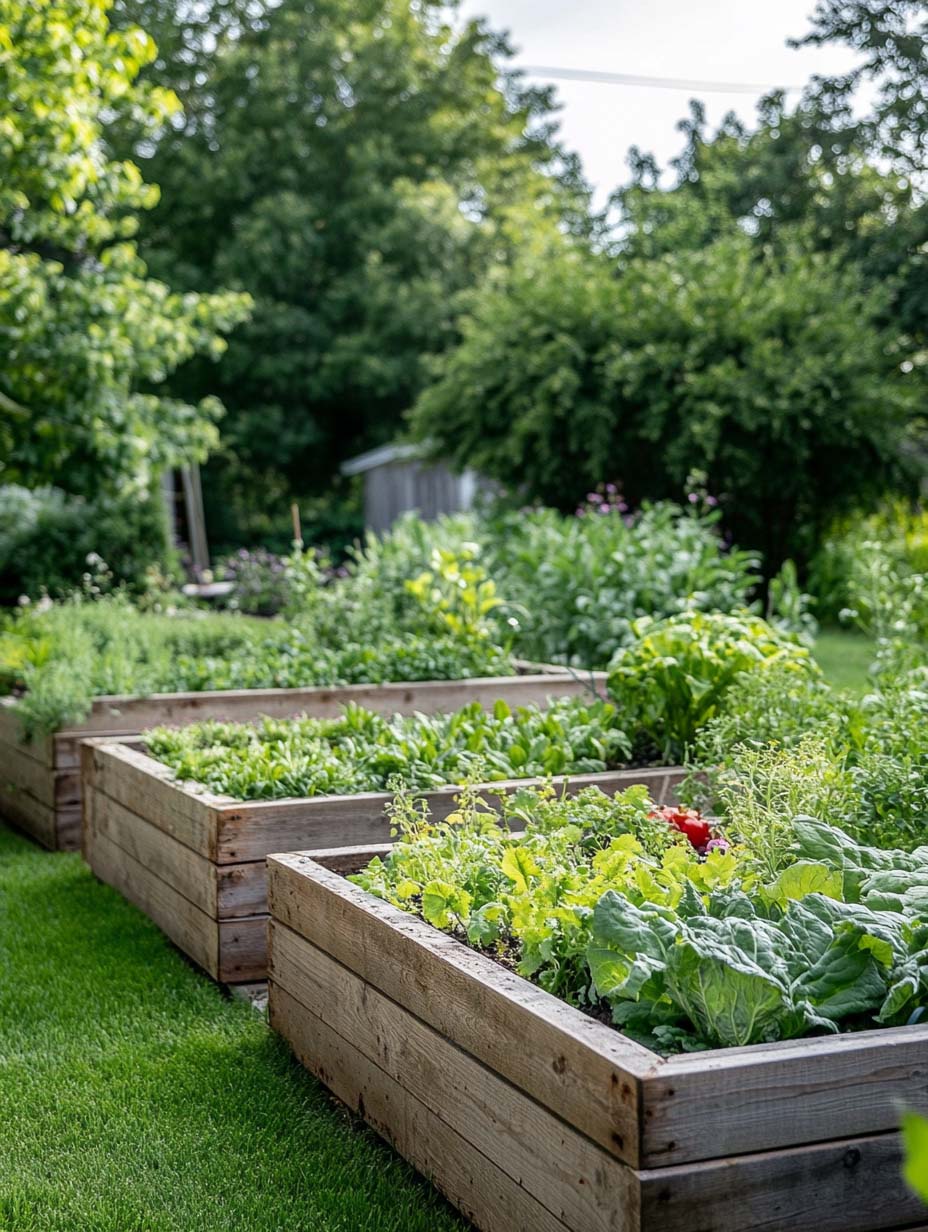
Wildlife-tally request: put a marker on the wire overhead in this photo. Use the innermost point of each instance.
(661, 83)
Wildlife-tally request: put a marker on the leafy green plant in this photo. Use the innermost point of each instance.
(363, 751)
(761, 788)
(602, 904)
(457, 590)
(58, 657)
(577, 583)
(673, 679)
(915, 1143)
(530, 898)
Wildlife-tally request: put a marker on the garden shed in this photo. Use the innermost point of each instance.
(398, 478)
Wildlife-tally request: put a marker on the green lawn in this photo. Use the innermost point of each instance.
(844, 657)
(135, 1097)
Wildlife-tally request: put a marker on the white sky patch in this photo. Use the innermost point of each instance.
(731, 41)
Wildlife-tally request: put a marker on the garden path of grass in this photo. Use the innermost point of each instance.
(844, 656)
(135, 1097)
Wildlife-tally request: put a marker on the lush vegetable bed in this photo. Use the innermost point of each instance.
(655, 920)
(528, 1112)
(40, 788)
(195, 861)
(688, 1034)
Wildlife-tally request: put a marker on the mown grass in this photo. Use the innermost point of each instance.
(135, 1097)
(844, 657)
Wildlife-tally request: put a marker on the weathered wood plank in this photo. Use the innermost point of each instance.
(187, 926)
(144, 785)
(851, 1185)
(737, 1100)
(134, 714)
(569, 1175)
(243, 950)
(577, 1067)
(251, 831)
(476, 1186)
(20, 770)
(29, 815)
(11, 732)
(349, 859)
(189, 873)
(68, 827)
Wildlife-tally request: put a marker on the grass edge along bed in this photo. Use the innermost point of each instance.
(528, 1113)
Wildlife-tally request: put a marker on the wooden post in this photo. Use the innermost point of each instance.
(196, 519)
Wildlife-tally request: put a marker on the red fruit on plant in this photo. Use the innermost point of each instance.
(689, 822)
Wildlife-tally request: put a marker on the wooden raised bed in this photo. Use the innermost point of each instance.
(195, 862)
(533, 1117)
(40, 789)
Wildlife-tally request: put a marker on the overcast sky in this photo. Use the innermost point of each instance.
(740, 41)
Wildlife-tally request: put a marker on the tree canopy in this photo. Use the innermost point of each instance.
(354, 168)
(87, 336)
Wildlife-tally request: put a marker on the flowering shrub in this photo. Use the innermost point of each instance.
(261, 581)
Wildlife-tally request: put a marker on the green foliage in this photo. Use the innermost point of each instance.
(889, 37)
(576, 584)
(786, 743)
(261, 582)
(86, 333)
(761, 788)
(458, 590)
(872, 573)
(915, 1141)
(362, 751)
(354, 210)
(49, 540)
(571, 369)
(530, 898)
(602, 909)
(60, 656)
(673, 679)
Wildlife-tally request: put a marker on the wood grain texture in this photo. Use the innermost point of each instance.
(851, 1185)
(474, 1183)
(575, 1180)
(24, 772)
(580, 1069)
(188, 927)
(243, 950)
(783, 1094)
(189, 873)
(131, 715)
(146, 787)
(34, 818)
(251, 831)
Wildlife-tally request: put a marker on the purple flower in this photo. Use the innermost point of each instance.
(717, 844)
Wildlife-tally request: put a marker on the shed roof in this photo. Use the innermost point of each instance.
(396, 452)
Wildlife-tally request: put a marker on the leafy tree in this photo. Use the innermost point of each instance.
(353, 166)
(792, 174)
(768, 371)
(85, 334)
(891, 37)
